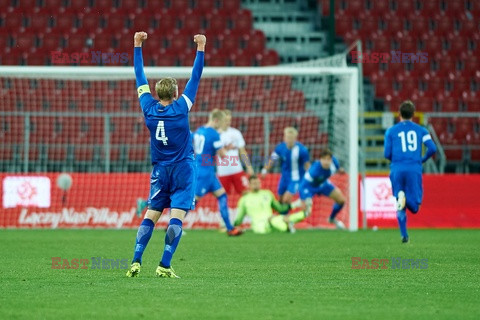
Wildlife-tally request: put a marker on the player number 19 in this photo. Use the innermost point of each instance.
(410, 142)
(160, 134)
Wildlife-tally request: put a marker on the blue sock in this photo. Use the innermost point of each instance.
(336, 209)
(143, 236)
(402, 222)
(172, 238)
(223, 206)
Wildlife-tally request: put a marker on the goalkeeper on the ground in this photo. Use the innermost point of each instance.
(259, 204)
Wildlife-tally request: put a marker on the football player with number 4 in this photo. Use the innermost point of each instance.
(172, 182)
(403, 147)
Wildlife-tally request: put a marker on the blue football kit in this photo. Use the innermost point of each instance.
(293, 166)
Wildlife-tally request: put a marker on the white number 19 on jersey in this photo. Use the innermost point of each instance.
(160, 134)
(410, 142)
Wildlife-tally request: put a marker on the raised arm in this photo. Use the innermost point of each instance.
(192, 84)
(141, 79)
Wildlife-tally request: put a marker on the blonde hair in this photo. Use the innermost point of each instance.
(216, 114)
(227, 112)
(290, 130)
(166, 88)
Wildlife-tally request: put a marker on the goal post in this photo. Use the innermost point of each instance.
(87, 119)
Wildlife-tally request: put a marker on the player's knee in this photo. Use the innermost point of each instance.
(414, 209)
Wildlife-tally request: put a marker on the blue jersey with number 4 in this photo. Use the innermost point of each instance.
(403, 146)
(206, 141)
(170, 138)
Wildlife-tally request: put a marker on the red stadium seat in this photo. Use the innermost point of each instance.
(432, 45)
(64, 23)
(241, 59)
(163, 59)
(217, 60)
(104, 6)
(204, 6)
(254, 42)
(36, 60)
(455, 153)
(242, 22)
(78, 6)
(395, 25)
(166, 23)
(84, 154)
(269, 58)
(25, 42)
(383, 87)
(90, 23)
(443, 25)
(180, 6)
(56, 6)
(75, 42)
(38, 23)
(145, 23)
(423, 104)
(469, 26)
(449, 104)
(380, 8)
(229, 5)
(458, 45)
(130, 7)
(102, 42)
(116, 23)
(190, 23)
(50, 42)
(229, 42)
(57, 153)
(368, 25)
(429, 7)
(419, 25)
(215, 25)
(454, 7)
(463, 127)
(382, 44)
(343, 24)
(405, 8)
(408, 45)
(179, 43)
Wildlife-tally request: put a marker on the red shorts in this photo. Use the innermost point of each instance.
(239, 181)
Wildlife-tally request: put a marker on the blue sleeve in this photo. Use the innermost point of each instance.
(336, 163)
(143, 90)
(313, 171)
(138, 67)
(387, 152)
(192, 85)
(431, 147)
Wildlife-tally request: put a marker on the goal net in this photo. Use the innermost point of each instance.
(75, 150)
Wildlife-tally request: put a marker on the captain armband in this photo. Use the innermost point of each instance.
(143, 89)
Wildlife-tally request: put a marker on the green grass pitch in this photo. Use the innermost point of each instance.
(306, 275)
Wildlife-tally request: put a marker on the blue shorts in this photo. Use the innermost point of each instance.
(207, 182)
(410, 182)
(287, 185)
(173, 186)
(308, 191)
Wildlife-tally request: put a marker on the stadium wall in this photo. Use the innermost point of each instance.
(109, 200)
